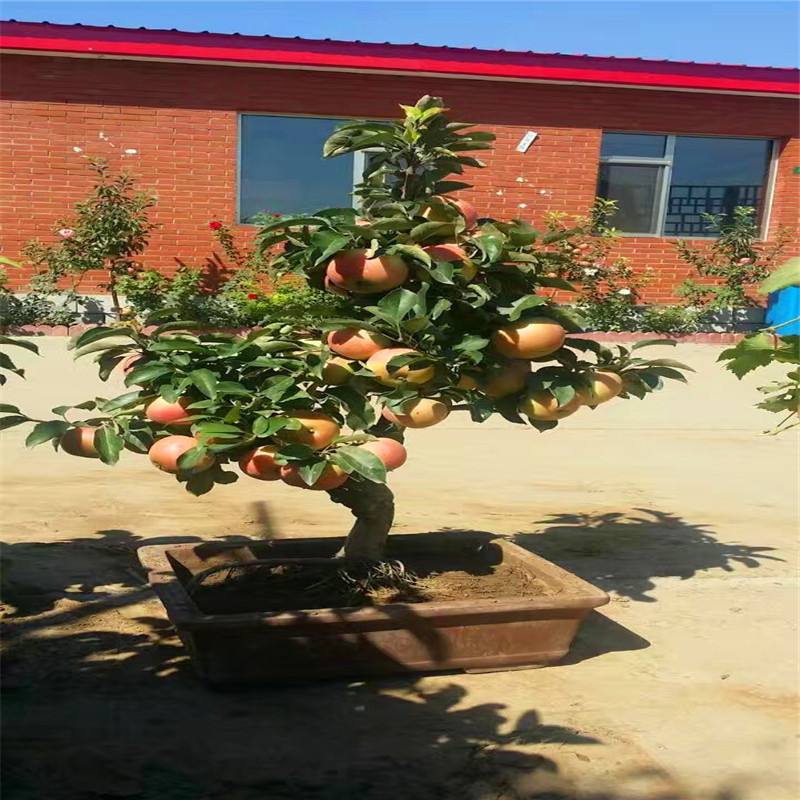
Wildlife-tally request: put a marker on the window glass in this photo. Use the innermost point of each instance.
(713, 176)
(635, 189)
(282, 169)
(643, 145)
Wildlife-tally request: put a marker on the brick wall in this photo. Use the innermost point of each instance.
(182, 120)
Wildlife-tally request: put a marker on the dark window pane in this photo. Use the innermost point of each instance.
(644, 145)
(635, 189)
(282, 168)
(711, 175)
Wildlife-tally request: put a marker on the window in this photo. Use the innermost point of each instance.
(281, 167)
(664, 184)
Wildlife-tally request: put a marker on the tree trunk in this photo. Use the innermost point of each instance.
(372, 504)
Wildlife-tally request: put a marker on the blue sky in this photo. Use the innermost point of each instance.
(756, 32)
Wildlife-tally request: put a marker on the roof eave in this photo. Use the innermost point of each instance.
(617, 80)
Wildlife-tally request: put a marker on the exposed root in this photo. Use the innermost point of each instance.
(309, 584)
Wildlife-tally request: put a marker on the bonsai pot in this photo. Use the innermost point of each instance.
(482, 633)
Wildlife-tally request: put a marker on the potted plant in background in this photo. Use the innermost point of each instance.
(446, 312)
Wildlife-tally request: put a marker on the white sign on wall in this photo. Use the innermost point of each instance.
(527, 140)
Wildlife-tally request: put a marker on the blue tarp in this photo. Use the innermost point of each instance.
(783, 306)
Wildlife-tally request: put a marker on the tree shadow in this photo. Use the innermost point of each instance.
(103, 713)
(100, 702)
(622, 552)
(100, 569)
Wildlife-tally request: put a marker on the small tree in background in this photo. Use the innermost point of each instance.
(109, 229)
(736, 261)
(444, 312)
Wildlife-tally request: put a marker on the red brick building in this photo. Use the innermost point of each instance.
(226, 125)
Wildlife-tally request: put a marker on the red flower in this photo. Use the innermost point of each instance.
(252, 297)
(215, 226)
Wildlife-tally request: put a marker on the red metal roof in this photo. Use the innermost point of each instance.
(240, 50)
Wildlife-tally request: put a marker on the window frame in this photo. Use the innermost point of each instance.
(359, 159)
(665, 179)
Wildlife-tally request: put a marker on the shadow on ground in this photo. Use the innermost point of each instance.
(623, 552)
(100, 701)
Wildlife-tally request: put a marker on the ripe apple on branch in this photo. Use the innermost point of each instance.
(448, 311)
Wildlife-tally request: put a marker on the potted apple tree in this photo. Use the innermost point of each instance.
(448, 312)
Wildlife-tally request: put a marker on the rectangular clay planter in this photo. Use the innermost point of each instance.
(478, 634)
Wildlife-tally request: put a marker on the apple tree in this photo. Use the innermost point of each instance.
(449, 311)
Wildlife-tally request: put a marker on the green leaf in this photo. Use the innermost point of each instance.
(293, 452)
(277, 387)
(122, 401)
(563, 393)
(45, 431)
(95, 335)
(480, 409)
(19, 343)
(335, 246)
(5, 408)
(205, 381)
(231, 387)
(411, 250)
(189, 460)
(146, 373)
(12, 421)
(357, 459)
(441, 306)
(571, 320)
(653, 343)
(97, 347)
(442, 272)
(168, 346)
(361, 413)
(471, 342)
(108, 444)
(311, 472)
(668, 362)
(668, 372)
(516, 309)
(427, 229)
(559, 236)
(179, 325)
(396, 305)
(787, 274)
(555, 283)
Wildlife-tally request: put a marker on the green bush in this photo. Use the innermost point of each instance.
(239, 302)
(669, 319)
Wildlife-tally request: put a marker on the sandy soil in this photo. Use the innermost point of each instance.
(683, 687)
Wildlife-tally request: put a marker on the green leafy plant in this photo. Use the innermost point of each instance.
(109, 229)
(607, 288)
(730, 269)
(767, 347)
(669, 319)
(439, 312)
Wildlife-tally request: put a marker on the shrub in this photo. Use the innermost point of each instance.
(607, 287)
(736, 260)
(669, 319)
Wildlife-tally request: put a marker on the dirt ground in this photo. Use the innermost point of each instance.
(684, 686)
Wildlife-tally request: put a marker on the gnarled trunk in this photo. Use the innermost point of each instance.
(372, 504)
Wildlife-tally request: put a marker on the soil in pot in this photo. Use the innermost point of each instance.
(421, 578)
